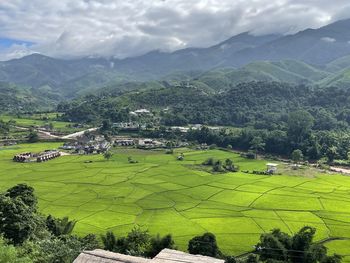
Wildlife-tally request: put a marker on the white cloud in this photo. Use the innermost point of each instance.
(123, 28)
(328, 39)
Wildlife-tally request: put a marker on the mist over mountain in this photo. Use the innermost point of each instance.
(313, 56)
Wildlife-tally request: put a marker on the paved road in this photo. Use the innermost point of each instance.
(77, 134)
(69, 136)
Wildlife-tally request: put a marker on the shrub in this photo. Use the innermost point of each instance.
(210, 161)
(204, 245)
(248, 155)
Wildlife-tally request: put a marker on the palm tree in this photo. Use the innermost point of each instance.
(60, 227)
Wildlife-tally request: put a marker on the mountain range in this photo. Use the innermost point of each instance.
(313, 56)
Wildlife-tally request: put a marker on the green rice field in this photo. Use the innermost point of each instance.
(34, 120)
(164, 195)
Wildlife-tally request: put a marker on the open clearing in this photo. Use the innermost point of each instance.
(164, 196)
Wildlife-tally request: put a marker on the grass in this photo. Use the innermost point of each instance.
(164, 196)
(35, 120)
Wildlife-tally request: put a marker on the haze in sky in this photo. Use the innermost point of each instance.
(123, 28)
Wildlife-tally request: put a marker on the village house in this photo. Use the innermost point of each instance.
(165, 256)
(142, 112)
(48, 155)
(129, 126)
(124, 142)
(271, 168)
(36, 157)
(87, 146)
(181, 129)
(149, 143)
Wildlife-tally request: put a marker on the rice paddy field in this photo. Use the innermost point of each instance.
(164, 195)
(35, 120)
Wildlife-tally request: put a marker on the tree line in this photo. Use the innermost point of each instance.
(270, 117)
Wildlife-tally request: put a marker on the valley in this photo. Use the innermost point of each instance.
(163, 195)
(238, 150)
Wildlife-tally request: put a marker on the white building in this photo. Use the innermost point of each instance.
(271, 168)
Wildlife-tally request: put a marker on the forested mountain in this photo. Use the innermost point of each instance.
(259, 104)
(309, 56)
(15, 99)
(314, 57)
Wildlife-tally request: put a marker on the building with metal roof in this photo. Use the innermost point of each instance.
(165, 256)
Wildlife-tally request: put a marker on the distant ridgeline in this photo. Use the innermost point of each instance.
(319, 57)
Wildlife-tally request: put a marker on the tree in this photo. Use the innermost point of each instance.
(60, 227)
(257, 144)
(109, 241)
(158, 243)
(106, 125)
(252, 259)
(230, 259)
(9, 254)
(299, 126)
(137, 242)
(18, 221)
(217, 167)
(297, 156)
(229, 165)
(331, 153)
(210, 161)
(33, 136)
(204, 245)
(107, 155)
(23, 192)
(281, 247)
(59, 249)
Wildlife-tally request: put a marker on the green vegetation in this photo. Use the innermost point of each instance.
(273, 117)
(281, 247)
(26, 238)
(37, 120)
(237, 207)
(138, 243)
(15, 99)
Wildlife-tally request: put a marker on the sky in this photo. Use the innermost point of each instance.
(124, 28)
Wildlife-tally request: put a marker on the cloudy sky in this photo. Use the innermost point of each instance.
(121, 28)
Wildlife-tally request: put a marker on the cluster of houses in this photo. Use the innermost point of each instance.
(193, 127)
(92, 147)
(139, 143)
(36, 157)
(129, 126)
(87, 144)
(145, 143)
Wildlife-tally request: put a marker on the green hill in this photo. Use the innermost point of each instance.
(17, 99)
(290, 71)
(338, 64)
(341, 79)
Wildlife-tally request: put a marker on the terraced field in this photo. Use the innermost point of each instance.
(164, 196)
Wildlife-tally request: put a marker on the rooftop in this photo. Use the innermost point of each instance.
(165, 256)
(272, 164)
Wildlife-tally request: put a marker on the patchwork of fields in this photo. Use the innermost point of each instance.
(27, 122)
(164, 196)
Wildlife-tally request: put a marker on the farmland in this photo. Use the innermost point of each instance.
(164, 195)
(37, 120)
